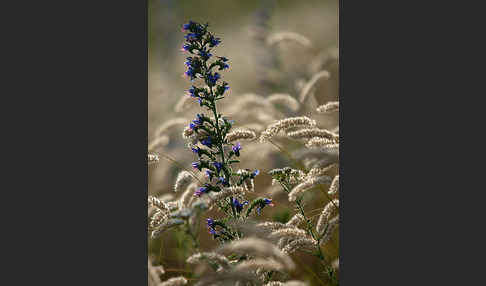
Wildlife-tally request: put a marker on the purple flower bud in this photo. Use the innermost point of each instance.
(218, 166)
(236, 149)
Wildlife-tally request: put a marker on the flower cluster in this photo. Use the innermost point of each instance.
(210, 130)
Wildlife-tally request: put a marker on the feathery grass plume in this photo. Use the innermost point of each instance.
(158, 142)
(240, 134)
(284, 99)
(308, 184)
(310, 84)
(329, 210)
(329, 230)
(229, 278)
(176, 281)
(324, 58)
(285, 124)
(317, 142)
(288, 283)
(300, 244)
(289, 232)
(309, 133)
(183, 179)
(188, 195)
(271, 225)
(296, 220)
(153, 158)
(153, 201)
(259, 248)
(254, 264)
(317, 171)
(184, 104)
(329, 107)
(288, 36)
(168, 125)
(334, 188)
(166, 225)
(158, 218)
(211, 257)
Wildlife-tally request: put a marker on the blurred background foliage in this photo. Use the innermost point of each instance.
(254, 68)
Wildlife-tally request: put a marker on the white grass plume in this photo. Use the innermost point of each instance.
(158, 142)
(183, 179)
(289, 232)
(329, 210)
(334, 188)
(329, 107)
(284, 99)
(311, 83)
(306, 185)
(254, 264)
(285, 124)
(176, 281)
(309, 133)
(240, 134)
(300, 244)
(212, 257)
(288, 36)
(329, 230)
(162, 129)
(296, 220)
(260, 248)
(288, 283)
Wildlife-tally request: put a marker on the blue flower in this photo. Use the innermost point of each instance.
(196, 150)
(268, 202)
(212, 231)
(218, 166)
(196, 165)
(199, 120)
(214, 41)
(188, 26)
(192, 91)
(238, 205)
(204, 54)
(265, 202)
(186, 47)
(202, 190)
(254, 174)
(210, 222)
(209, 174)
(190, 73)
(207, 142)
(223, 181)
(225, 66)
(236, 149)
(192, 37)
(213, 78)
